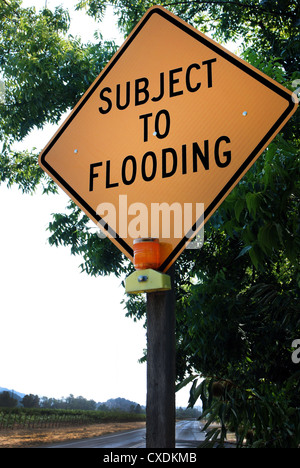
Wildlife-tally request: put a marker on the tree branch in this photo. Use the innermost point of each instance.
(234, 3)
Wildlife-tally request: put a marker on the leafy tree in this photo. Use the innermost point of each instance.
(31, 401)
(187, 413)
(69, 403)
(137, 409)
(236, 323)
(79, 403)
(237, 318)
(45, 73)
(46, 402)
(7, 401)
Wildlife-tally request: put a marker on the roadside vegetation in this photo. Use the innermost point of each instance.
(38, 418)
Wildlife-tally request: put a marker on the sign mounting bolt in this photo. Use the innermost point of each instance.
(142, 278)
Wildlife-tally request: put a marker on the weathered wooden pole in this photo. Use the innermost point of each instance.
(160, 410)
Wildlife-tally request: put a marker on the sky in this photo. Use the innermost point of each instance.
(62, 332)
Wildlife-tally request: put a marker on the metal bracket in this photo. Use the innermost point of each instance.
(149, 280)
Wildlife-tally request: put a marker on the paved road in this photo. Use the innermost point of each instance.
(187, 436)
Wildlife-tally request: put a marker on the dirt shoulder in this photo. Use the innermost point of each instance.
(29, 438)
(26, 438)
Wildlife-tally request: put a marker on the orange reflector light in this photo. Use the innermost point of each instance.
(146, 253)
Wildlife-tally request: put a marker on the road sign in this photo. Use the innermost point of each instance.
(164, 133)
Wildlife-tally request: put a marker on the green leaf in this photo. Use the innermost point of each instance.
(254, 257)
(244, 251)
(270, 152)
(185, 382)
(253, 201)
(266, 238)
(238, 208)
(209, 421)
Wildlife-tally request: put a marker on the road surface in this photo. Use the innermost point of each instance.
(188, 435)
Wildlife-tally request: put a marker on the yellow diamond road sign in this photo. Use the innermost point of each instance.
(164, 133)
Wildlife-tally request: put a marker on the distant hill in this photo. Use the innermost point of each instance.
(17, 395)
(119, 403)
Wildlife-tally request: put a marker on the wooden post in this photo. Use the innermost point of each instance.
(160, 410)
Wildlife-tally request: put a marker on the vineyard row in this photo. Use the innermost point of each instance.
(21, 418)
